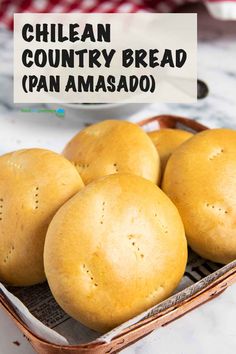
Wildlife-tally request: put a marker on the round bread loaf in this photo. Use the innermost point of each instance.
(113, 146)
(200, 178)
(166, 141)
(113, 250)
(34, 183)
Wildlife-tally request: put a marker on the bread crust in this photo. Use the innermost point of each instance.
(113, 146)
(34, 183)
(114, 250)
(200, 178)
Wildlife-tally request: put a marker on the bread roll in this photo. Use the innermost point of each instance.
(113, 250)
(34, 183)
(200, 178)
(166, 141)
(113, 146)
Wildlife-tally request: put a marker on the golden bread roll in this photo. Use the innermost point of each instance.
(34, 183)
(200, 178)
(113, 146)
(113, 250)
(166, 141)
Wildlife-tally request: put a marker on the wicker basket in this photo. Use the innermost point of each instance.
(204, 290)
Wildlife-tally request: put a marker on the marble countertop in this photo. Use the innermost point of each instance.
(210, 328)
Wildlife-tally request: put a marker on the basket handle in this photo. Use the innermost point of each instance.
(171, 121)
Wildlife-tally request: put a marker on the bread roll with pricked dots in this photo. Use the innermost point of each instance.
(200, 178)
(34, 183)
(115, 249)
(113, 146)
(166, 141)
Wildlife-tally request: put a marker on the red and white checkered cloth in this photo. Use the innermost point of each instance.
(219, 8)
